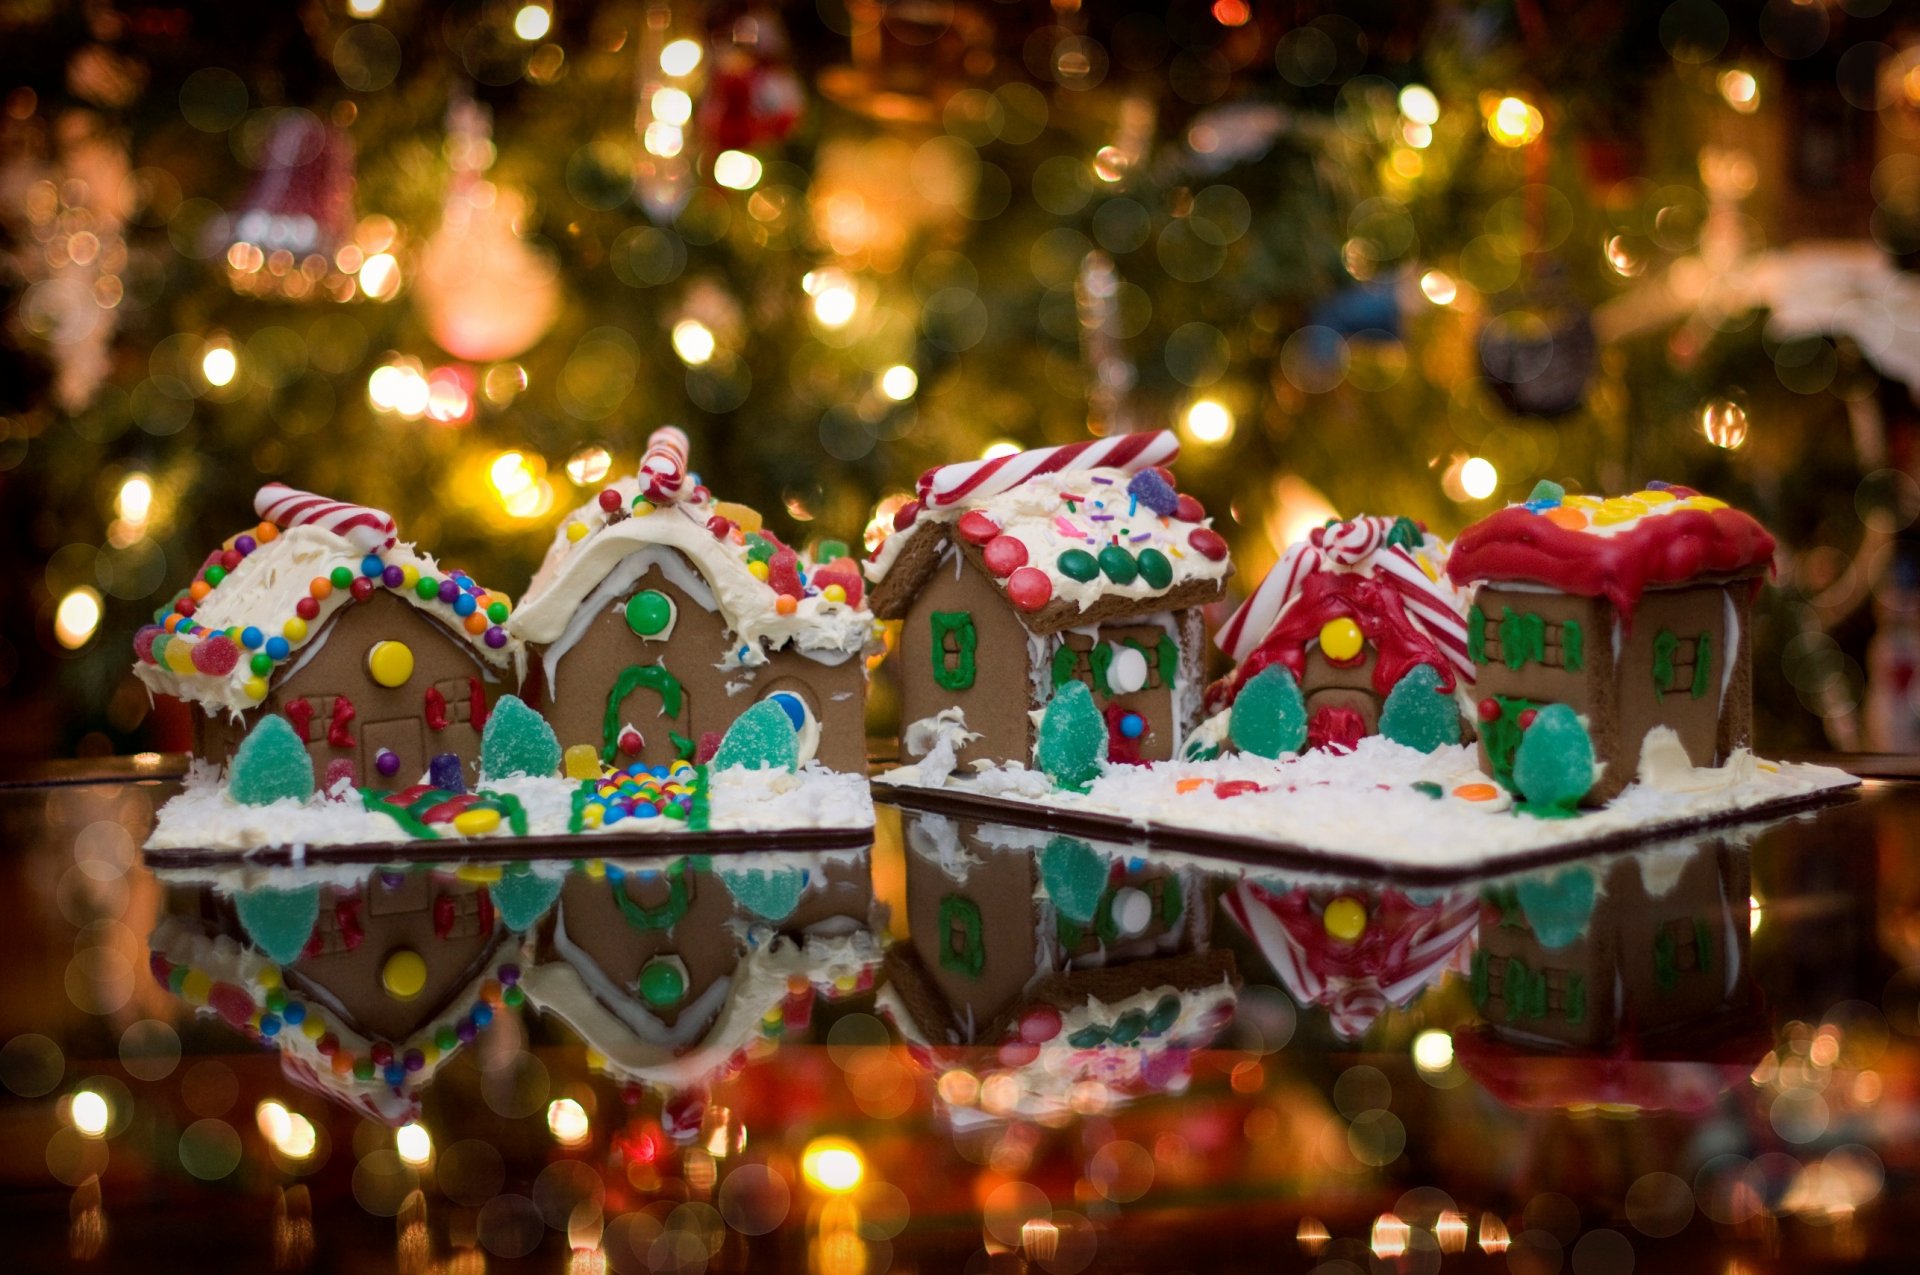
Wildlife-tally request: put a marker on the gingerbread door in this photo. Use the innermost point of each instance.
(658, 709)
(404, 737)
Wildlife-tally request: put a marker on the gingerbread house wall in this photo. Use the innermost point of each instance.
(1327, 685)
(999, 697)
(334, 663)
(999, 887)
(703, 937)
(1155, 701)
(1577, 1006)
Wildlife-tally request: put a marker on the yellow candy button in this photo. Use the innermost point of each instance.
(1654, 496)
(1341, 639)
(256, 688)
(404, 975)
(180, 656)
(1345, 919)
(390, 663)
(294, 630)
(478, 873)
(409, 576)
(474, 823)
(312, 1027)
(196, 987)
(576, 531)
(1619, 509)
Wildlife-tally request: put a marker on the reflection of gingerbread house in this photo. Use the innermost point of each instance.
(651, 626)
(1064, 564)
(1349, 611)
(1606, 950)
(365, 980)
(1356, 950)
(378, 658)
(1631, 611)
(1083, 959)
(672, 971)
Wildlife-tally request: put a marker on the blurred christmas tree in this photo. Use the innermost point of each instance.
(457, 261)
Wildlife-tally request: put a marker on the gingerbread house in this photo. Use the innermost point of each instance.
(1632, 611)
(660, 615)
(1349, 611)
(365, 980)
(674, 971)
(1078, 956)
(1015, 575)
(379, 659)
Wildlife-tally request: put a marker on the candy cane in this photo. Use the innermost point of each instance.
(663, 469)
(368, 530)
(977, 479)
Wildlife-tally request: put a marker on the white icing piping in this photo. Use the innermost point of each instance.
(623, 577)
(1729, 648)
(618, 1001)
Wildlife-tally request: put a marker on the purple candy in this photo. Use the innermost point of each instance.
(509, 975)
(443, 772)
(449, 590)
(245, 545)
(392, 880)
(1655, 484)
(466, 1031)
(496, 637)
(387, 762)
(415, 1060)
(1153, 491)
(393, 577)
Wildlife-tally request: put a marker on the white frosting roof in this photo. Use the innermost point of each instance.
(573, 569)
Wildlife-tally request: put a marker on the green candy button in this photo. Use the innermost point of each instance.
(649, 612)
(1077, 564)
(1118, 564)
(661, 983)
(1155, 568)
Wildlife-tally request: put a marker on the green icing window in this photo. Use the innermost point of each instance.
(1522, 638)
(963, 947)
(954, 639)
(1702, 665)
(1573, 646)
(1574, 1002)
(1679, 665)
(1066, 664)
(1665, 645)
(1477, 635)
(1501, 736)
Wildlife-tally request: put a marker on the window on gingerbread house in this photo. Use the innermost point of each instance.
(1682, 665)
(954, 640)
(1517, 638)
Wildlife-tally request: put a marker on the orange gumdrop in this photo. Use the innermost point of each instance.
(785, 604)
(1571, 519)
(1188, 785)
(1476, 792)
(199, 589)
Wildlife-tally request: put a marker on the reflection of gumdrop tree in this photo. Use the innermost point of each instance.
(1269, 718)
(521, 897)
(270, 765)
(1558, 906)
(762, 738)
(769, 893)
(1418, 713)
(1553, 767)
(279, 921)
(1072, 743)
(517, 741)
(1074, 878)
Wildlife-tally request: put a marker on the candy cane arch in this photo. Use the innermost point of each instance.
(663, 469)
(948, 485)
(368, 530)
(1346, 545)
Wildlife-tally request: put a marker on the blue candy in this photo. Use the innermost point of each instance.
(464, 604)
(251, 638)
(278, 648)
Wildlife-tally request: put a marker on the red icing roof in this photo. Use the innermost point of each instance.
(1518, 544)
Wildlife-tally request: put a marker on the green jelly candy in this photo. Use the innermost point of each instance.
(1118, 564)
(758, 547)
(270, 765)
(648, 612)
(1092, 1036)
(517, 741)
(1546, 489)
(279, 921)
(662, 983)
(1077, 564)
(1553, 767)
(446, 1039)
(1557, 907)
(771, 895)
(1269, 719)
(1072, 744)
(1418, 713)
(828, 550)
(762, 738)
(1155, 568)
(521, 897)
(426, 588)
(261, 663)
(1074, 877)
(342, 577)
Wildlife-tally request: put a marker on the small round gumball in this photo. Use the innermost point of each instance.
(1029, 588)
(1005, 555)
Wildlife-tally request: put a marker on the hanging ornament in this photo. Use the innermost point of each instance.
(483, 292)
(753, 97)
(298, 213)
(1537, 350)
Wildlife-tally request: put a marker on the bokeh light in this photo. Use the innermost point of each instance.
(899, 382)
(568, 1123)
(77, 617)
(680, 57)
(1514, 121)
(736, 170)
(532, 22)
(693, 342)
(219, 364)
(1433, 1050)
(1478, 478)
(89, 1112)
(832, 1165)
(1209, 421)
(413, 1144)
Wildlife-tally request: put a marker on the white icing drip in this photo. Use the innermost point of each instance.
(692, 1021)
(622, 577)
(1619, 641)
(937, 838)
(1729, 648)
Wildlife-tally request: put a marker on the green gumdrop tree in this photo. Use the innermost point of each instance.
(1553, 767)
(762, 738)
(279, 921)
(517, 741)
(1269, 717)
(1072, 744)
(1418, 713)
(270, 765)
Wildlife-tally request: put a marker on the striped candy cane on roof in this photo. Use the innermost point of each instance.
(367, 530)
(948, 485)
(663, 468)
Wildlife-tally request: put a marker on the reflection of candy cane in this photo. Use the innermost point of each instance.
(977, 479)
(663, 469)
(368, 530)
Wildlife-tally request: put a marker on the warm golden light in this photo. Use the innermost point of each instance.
(1514, 121)
(1312, 1235)
(1390, 1236)
(532, 23)
(1450, 1231)
(1724, 424)
(77, 617)
(1438, 287)
(835, 300)
(1419, 105)
(218, 365)
(365, 8)
(664, 140)
(589, 465)
(997, 448)
(90, 1113)
(299, 1140)
(832, 1165)
(899, 382)
(1755, 911)
(693, 342)
(134, 502)
(1478, 477)
(1740, 90)
(567, 1122)
(512, 473)
(414, 1144)
(1209, 421)
(1433, 1051)
(380, 276)
(680, 57)
(672, 106)
(736, 170)
(1493, 1234)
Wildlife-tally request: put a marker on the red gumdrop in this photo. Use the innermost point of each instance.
(1040, 1024)
(337, 769)
(143, 642)
(720, 527)
(231, 1002)
(1236, 788)
(977, 528)
(708, 746)
(1029, 588)
(1005, 555)
(216, 656)
(843, 572)
(783, 573)
(1489, 709)
(1207, 543)
(1188, 509)
(905, 515)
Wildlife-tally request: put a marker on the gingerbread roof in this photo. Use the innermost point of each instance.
(1385, 574)
(1071, 535)
(744, 574)
(261, 603)
(1662, 536)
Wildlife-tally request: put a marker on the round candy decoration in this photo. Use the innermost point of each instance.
(1118, 564)
(650, 614)
(404, 974)
(1127, 670)
(1207, 543)
(977, 528)
(390, 663)
(1345, 919)
(1005, 555)
(1155, 568)
(1077, 564)
(1341, 639)
(662, 982)
(1029, 588)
